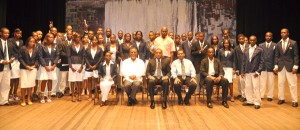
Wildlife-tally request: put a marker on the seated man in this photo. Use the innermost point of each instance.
(132, 69)
(212, 72)
(183, 72)
(158, 73)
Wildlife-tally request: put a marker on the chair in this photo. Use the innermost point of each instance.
(98, 90)
(123, 90)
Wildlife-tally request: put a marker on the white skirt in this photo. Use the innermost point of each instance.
(28, 78)
(89, 74)
(75, 76)
(228, 73)
(15, 70)
(44, 75)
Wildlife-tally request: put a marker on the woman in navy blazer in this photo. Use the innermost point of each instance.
(107, 79)
(226, 56)
(28, 58)
(48, 56)
(93, 56)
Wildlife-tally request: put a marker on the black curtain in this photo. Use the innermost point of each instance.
(256, 17)
(3, 13)
(32, 15)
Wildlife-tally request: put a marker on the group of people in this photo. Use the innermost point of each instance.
(86, 61)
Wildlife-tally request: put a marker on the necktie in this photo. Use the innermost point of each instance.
(158, 69)
(183, 75)
(5, 51)
(268, 45)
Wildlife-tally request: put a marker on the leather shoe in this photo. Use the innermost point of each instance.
(269, 99)
(164, 105)
(152, 105)
(238, 97)
(102, 104)
(129, 103)
(180, 102)
(242, 99)
(247, 104)
(281, 102)
(209, 105)
(295, 104)
(257, 106)
(187, 102)
(225, 104)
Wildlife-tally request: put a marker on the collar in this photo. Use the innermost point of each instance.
(3, 40)
(269, 42)
(253, 46)
(104, 63)
(210, 60)
(287, 39)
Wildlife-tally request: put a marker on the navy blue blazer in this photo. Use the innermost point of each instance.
(289, 58)
(74, 57)
(238, 57)
(187, 49)
(142, 50)
(197, 56)
(256, 63)
(10, 53)
(26, 60)
(45, 57)
(227, 61)
(113, 71)
(90, 61)
(16, 48)
(269, 56)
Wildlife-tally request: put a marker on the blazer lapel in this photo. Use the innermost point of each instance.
(1, 48)
(254, 53)
(216, 66)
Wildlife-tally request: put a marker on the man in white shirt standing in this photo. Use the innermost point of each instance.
(286, 65)
(5, 67)
(165, 43)
(132, 69)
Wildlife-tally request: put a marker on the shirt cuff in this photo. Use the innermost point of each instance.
(275, 67)
(1, 61)
(295, 67)
(257, 73)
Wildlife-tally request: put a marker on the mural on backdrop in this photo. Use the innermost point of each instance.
(180, 16)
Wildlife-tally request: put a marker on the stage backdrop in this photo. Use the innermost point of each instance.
(180, 16)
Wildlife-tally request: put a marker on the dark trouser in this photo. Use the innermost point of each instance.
(153, 83)
(191, 85)
(132, 88)
(209, 88)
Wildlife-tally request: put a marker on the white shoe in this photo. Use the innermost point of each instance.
(42, 101)
(49, 100)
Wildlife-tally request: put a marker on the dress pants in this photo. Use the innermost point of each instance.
(105, 87)
(292, 81)
(241, 86)
(252, 89)
(4, 86)
(56, 83)
(186, 81)
(63, 81)
(209, 88)
(132, 88)
(163, 83)
(266, 77)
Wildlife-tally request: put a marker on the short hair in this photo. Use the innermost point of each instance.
(17, 30)
(180, 50)
(4, 28)
(240, 35)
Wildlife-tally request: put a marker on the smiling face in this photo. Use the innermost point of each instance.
(252, 41)
(133, 53)
(180, 54)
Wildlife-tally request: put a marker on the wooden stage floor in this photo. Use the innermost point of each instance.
(64, 114)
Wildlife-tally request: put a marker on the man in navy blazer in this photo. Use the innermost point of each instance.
(6, 58)
(187, 46)
(252, 65)
(286, 65)
(267, 75)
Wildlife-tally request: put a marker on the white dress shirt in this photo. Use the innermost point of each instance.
(6, 67)
(251, 51)
(107, 70)
(136, 67)
(211, 70)
(188, 67)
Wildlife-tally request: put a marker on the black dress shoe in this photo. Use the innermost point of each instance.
(247, 104)
(164, 105)
(295, 104)
(180, 102)
(225, 104)
(257, 106)
(269, 99)
(281, 102)
(129, 103)
(152, 105)
(5, 104)
(187, 102)
(242, 99)
(209, 105)
(238, 97)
